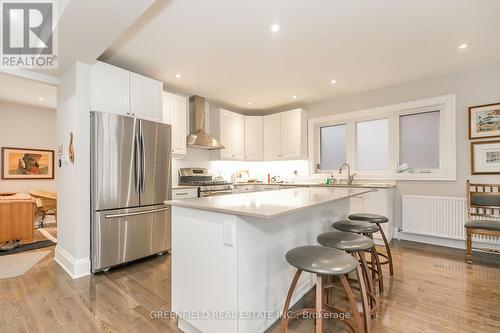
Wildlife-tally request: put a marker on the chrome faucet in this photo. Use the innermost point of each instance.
(350, 177)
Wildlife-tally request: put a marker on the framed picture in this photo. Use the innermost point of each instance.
(22, 163)
(484, 121)
(485, 158)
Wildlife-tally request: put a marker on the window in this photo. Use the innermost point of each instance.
(333, 141)
(419, 140)
(372, 145)
(420, 133)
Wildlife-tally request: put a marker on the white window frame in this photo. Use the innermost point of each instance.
(446, 104)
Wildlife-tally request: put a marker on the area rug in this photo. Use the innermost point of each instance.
(28, 247)
(18, 264)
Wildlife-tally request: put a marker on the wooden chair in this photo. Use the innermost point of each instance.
(483, 214)
(46, 204)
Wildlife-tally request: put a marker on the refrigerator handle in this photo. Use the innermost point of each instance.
(137, 165)
(143, 164)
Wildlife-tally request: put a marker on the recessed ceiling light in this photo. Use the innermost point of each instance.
(333, 81)
(294, 97)
(275, 27)
(178, 76)
(249, 103)
(40, 99)
(462, 46)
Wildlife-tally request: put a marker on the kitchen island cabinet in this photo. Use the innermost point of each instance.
(229, 272)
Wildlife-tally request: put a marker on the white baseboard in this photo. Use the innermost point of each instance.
(76, 268)
(447, 242)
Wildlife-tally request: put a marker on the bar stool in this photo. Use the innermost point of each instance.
(355, 245)
(367, 229)
(378, 219)
(323, 262)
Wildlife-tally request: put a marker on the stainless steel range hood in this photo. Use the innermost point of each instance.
(200, 138)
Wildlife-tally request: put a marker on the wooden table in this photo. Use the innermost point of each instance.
(17, 216)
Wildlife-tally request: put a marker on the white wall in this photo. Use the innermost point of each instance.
(473, 87)
(73, 182)
(25, 126)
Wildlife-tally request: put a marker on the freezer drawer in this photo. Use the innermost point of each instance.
(119, 236)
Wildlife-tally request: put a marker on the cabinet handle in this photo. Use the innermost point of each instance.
(181, 193)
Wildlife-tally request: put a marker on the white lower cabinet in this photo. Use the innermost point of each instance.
(243, 188)
(376, 202)
(184, 193)
(267, 187)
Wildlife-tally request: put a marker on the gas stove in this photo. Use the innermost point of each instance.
(208, 185)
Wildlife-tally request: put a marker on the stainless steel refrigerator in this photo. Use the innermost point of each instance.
(130, 180)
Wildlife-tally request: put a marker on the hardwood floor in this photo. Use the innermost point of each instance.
(433, 290)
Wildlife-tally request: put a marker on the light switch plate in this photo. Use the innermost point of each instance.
(228, 234)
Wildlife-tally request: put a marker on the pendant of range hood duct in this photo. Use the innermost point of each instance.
(200, 138)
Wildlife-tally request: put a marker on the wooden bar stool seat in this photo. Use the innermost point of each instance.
(367, 229)
(323, 262)
(378, 220)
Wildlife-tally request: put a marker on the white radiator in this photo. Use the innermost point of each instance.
(436, 216)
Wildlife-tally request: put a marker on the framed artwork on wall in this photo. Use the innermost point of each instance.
(484, 121)
(23, 163)
(485, 157)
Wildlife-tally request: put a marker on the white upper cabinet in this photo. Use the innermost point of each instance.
(145, 97)
(229, 128)
(226, 134)
(175, 108)
(115, 90)
(294, 134)
(254, 138)
(110, 89)
(272, 137)
(239, 136)
(285, 135)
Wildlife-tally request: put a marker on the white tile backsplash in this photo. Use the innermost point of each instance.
(290, 171)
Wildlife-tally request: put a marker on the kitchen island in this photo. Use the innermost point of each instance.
(229, 272)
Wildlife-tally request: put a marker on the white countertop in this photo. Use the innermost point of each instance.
(269, 204)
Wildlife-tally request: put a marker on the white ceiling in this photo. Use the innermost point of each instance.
(25, 91)
(225, 51)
